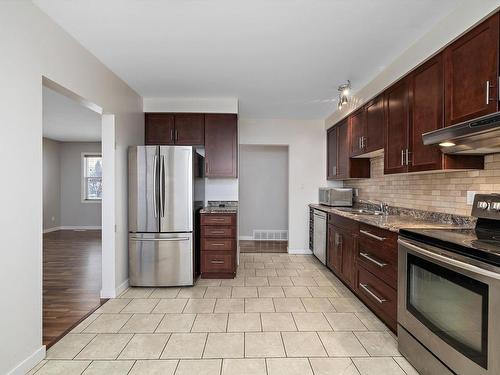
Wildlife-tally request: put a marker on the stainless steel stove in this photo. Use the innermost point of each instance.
(449, 295)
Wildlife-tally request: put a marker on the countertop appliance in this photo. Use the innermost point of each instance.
(319, 234)
(166, 190)
(477, 136)
(339, 197)
(449, 295)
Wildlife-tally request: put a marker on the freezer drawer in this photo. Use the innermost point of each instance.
(161, 259)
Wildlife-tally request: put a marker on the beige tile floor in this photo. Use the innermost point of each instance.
(282, 315)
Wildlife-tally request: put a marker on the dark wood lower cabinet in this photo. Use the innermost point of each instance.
(218, 246)
(365, 259)
(378, 296)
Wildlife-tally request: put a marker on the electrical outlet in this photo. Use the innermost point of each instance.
(356, 192)
(470, 197)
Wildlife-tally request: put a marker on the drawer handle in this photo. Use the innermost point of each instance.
(373, 260)
(373, 295)
(217, 261)
(218, 219)
(217, 232)
(366, 233)
(218, 244)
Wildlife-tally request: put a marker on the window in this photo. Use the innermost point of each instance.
(91, 177)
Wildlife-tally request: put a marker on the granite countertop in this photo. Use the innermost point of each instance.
(220, 207)
(219, 210)
(395, 222)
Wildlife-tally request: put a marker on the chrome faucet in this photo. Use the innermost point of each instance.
(383, 207)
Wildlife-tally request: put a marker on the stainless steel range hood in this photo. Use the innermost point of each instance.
(475, 137)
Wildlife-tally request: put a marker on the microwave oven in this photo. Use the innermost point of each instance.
(336, 196)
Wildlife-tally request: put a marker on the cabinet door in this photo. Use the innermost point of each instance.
(374, 125)
(357, 132)
(426, 107)
(221, 144)
(348, 256)
(334, 250)
(471, 73)
(343, 150)
(396, 127)
(159, 129)
(331, 150)
(189, 129)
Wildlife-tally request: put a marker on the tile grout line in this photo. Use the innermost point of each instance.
(131, 367)
(93, 338)
(121, 351)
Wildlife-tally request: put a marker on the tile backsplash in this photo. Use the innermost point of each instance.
(442, 192)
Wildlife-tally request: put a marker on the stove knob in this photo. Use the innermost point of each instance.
(482, 205)
(495, 206)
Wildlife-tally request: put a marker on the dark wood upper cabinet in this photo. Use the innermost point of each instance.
(343, 150)
(331, 150)
(396, 127)
(426, 106)
(159, 129)
(358, 131)
(374, 124)
(340, 166)
(221, 145)
(189, 129)
(471, 73)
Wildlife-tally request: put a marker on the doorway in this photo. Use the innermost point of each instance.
(72, 213)
(263, 199)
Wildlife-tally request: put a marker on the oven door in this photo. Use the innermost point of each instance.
(451, 305)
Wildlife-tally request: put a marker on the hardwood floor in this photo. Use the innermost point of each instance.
(263, 246)
(71, 280)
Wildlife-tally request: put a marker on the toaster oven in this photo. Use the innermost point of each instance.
(335, 196)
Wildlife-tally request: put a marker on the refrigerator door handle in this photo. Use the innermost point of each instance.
(162, 186)
(155, 162)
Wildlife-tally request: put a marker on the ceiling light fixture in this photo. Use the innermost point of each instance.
(344, 93)
(447, 144)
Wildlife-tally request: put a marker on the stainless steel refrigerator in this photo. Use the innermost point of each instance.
(166, 190)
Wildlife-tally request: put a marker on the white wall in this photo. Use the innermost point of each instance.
(198, 105)
(306, 141)
(34, 46)
(51, 184)
(456, 23)
(74, 212)
(263, 189)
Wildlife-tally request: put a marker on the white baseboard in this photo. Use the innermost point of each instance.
(77, 227)
(245, 238)
(115, 293)
(25, 366)
(300, 251)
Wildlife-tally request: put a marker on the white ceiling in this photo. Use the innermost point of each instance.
(68, 121)
(281, 58)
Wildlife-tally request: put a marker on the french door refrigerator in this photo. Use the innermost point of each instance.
(166, 189)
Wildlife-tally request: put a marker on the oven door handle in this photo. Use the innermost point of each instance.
(450, 261)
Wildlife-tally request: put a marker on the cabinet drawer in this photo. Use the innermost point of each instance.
(217, 262)
(342, 222)
(379, 259)
(377, 235)
(378, 295)
(218, 219)
(218, 231)
(224, 244)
